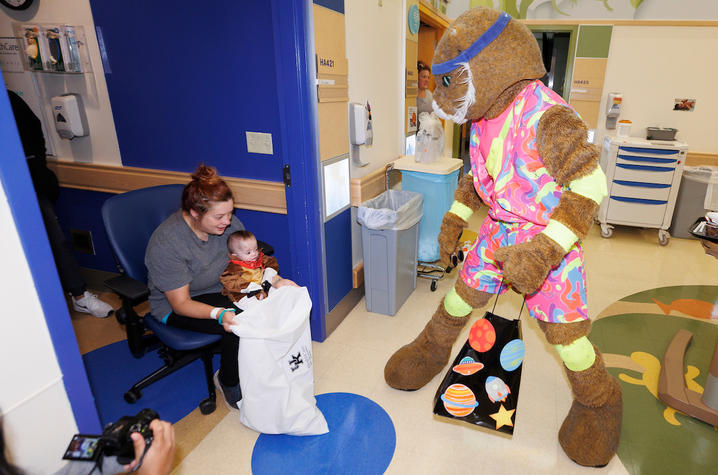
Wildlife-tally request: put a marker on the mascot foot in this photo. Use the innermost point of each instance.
(589, 434)
(415, 364)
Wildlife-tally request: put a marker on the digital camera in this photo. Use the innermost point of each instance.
(115, 439)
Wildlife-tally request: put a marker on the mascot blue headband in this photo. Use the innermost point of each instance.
(483, 41)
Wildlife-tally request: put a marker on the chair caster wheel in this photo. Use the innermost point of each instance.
(207, 406)
(433, 286)
(133, 395)
(121, 316)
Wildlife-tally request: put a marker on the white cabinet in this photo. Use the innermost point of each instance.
(643, 179)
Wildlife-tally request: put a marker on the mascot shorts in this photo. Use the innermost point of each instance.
(561, 298)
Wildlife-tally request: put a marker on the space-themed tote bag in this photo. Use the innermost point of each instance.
(482, 385)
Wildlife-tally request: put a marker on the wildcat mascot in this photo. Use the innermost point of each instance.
(532, 165)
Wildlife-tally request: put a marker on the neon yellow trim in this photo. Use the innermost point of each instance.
(496, 152)
(461, 210)
(455, 305)
(593, 186)
(557, 231)
(577, 356)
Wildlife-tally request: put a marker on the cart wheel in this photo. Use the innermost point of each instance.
(433, 286)
(454, 260)
(461, 255)
(606, 230)
(207, 406)
(663, 237)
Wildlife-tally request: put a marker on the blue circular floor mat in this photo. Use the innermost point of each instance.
(361, 440)
(112, 370)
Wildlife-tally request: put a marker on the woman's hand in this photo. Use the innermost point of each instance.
(228, 319)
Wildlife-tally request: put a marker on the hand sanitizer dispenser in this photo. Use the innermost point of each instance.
(613, 109)
(69, 116)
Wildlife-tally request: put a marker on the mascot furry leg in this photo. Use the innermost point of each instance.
(534, 168)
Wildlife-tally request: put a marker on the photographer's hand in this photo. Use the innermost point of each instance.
(158, 460)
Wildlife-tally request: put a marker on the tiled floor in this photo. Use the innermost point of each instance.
(352, 360)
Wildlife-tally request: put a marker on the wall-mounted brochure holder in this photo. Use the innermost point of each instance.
(54, 48)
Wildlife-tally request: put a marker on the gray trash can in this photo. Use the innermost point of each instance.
(390, 239)
(690, 202)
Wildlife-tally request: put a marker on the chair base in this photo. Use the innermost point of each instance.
(174, 361)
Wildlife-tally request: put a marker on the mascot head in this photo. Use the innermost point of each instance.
(481, 56)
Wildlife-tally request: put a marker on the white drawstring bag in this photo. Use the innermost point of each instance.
(276, 369)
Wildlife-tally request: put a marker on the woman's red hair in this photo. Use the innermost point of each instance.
(206, 187)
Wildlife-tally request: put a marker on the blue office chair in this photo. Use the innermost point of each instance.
(129, 219)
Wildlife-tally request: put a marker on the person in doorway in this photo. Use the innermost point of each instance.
(249, 269)
(47, 191)
(424, 97)
(185, 257)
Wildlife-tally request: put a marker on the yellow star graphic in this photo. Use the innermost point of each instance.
(503, 417)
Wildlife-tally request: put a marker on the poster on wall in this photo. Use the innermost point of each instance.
(411, 113)
(10, 56)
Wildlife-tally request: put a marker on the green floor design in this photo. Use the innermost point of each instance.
(656, 439)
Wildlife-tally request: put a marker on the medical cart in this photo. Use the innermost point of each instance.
(643, 178)
(437, 181)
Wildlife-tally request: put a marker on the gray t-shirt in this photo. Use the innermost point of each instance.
(176, 257)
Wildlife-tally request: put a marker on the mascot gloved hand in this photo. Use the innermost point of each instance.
(466, 201)
(534, 168)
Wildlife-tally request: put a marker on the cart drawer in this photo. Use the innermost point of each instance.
(636, 189)
(660, 152)
(636, 211)
(646, 160)
(643, 173)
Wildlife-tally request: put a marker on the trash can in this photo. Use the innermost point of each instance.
(697, 194)
(390, 235)
(437, 181)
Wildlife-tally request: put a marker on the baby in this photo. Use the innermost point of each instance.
(249, 272)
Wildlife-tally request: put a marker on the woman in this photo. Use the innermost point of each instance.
(185, 257)
(424, 98)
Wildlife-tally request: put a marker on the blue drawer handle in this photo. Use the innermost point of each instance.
(655, 151)
(647, 159)
(644, 168)
(639, 200)
(642, 184)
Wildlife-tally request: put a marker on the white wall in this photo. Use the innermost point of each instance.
(36, 88)
(36, 413)
(652, 66)
(375, 52)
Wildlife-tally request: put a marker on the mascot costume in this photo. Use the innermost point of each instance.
(534, 168)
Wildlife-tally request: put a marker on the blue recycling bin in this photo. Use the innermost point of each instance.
(437, 181)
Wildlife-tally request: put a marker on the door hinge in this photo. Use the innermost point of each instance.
(286, 176)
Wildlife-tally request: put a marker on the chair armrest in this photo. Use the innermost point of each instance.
(128, 288)
(266, 248)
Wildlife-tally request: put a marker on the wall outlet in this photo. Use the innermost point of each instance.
(259, 142)
(82, 241)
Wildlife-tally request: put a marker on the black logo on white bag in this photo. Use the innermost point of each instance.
(295, 361)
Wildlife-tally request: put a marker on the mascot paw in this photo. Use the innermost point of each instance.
(600, 426)
(523, 266)
(451, 228)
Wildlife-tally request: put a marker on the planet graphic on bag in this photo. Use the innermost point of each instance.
(482, 335)
(512, 355)
(458, 400)
(467, 366)
(496, 389)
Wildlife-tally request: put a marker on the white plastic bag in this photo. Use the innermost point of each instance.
(276, 370)
(393, 209)
(429, 138)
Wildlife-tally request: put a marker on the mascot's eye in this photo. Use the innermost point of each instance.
(446, 80)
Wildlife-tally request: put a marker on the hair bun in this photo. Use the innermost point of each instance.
(205, 175)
